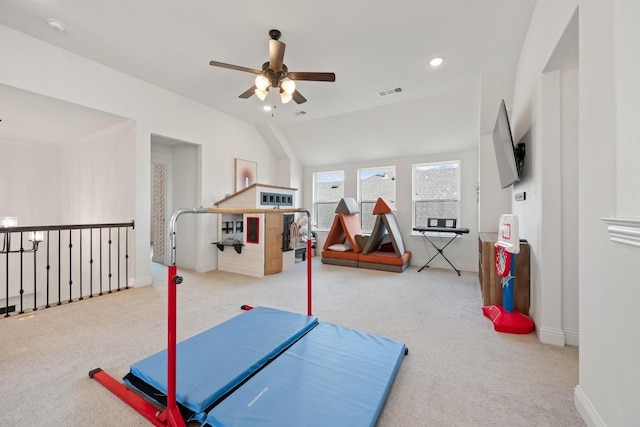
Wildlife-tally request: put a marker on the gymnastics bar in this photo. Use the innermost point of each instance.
(171, 415)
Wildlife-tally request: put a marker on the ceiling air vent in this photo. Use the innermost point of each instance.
(390, 92)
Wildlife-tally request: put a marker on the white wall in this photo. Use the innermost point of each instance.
(33, 200)
(569, 180)
(463, 253)
(185, 195)
(35, 66)
(95, 176)
(627, 63)
(607, 271)
(538, 118)
(609, 387)
(23, 193)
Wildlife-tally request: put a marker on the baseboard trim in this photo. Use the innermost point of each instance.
(572, 337)
(551, 336)
(205, 267)
(142, 281)
(586, 410)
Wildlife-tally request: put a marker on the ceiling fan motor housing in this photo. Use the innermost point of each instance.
(275, 77)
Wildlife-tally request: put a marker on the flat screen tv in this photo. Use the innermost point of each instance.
(509, 157)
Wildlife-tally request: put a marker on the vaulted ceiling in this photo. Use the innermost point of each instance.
(371, 46)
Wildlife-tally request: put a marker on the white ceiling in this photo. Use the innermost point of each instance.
(371, 46)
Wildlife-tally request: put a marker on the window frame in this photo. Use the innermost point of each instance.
(391, 170)
(415, 199)
(315, 202)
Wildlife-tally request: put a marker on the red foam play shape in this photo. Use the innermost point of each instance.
(504, 321)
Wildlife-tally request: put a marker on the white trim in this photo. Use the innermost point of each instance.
(586, 410)
(624, 230)
(141, 281)
(551, 336)
(571, 337)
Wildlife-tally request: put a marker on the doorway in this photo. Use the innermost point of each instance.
(175, 184)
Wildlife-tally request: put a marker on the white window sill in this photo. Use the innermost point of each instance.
(624, 230)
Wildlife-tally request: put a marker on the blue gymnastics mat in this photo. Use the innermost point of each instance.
(332, 376)
(214, 362)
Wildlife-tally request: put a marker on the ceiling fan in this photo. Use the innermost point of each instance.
(275, 73)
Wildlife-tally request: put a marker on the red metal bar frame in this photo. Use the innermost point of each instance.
(171, 415)
(174, 417)
(160, 418)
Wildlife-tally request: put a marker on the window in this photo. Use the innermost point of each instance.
(374, 183)
(328, 190)
(436, 191)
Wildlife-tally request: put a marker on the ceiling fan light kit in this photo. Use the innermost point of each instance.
(275, 73)
(261, 93)
(262, 82)
(285, 97)
(288, 85)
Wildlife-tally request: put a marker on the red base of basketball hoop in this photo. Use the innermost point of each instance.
(504, 321)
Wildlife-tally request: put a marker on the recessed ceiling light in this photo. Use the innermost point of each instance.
(266, 107)
(56, 25)
(436, 62)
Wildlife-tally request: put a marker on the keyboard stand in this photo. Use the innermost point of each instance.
(455, 231)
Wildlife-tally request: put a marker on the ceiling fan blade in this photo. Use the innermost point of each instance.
(298, 98)
(234, 67)
(311, 76)
(247, 93)
(276, 54)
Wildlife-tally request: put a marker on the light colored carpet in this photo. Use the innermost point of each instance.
(459, 371)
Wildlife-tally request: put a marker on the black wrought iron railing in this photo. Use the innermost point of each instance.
(52, 265)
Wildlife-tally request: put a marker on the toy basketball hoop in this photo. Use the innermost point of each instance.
(508, 236)
(504, 318)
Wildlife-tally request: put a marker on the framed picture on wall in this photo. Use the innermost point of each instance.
(246, 173)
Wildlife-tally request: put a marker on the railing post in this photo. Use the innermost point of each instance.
(91, 263)
(118, 259)
(35, 280)
(80, 264)
(21, 276)
(70, 269)
(59, 267)
(100, 230)
(126, 258)
(48, 267)
(6, 313)
(109, 259)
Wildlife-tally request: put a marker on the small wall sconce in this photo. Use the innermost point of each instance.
(7, 222)
(35, 237)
